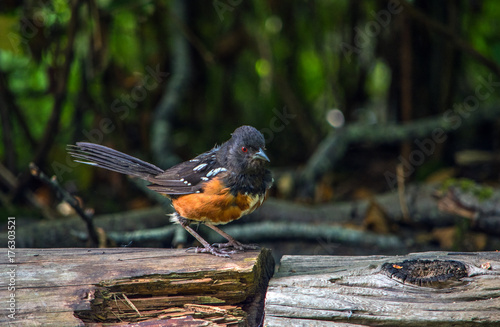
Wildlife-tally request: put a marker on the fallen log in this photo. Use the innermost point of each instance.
(77, 286)
(419, 289)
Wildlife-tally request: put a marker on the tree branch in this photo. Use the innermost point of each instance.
(7, 133)
(169, 103)
(61, 88)
(59, 98)
(65, 196)
(9, 102)
(450, 36)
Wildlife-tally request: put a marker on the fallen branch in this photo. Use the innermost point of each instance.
(479, 204)
(64, 195)
(274, 231)
(334, 146)
(72, 231)
(276, 219)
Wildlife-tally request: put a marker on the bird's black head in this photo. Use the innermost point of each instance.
(246, 150)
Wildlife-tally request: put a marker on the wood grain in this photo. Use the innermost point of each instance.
(353, 291)
(77, 286)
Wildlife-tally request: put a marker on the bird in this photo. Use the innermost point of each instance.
(214, 188)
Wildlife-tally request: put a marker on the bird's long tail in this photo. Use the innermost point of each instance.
(107, 158)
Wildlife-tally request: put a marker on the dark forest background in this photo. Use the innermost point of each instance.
(381, 118)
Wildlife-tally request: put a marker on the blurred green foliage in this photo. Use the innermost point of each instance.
(245, 63)
(482, 193)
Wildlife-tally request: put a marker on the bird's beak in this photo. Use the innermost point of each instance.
(261, 155)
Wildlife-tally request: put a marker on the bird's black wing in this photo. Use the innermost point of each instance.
(189, 176)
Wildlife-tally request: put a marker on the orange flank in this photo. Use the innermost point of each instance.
(215, 204)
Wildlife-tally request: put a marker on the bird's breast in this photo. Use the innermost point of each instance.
(216, 204)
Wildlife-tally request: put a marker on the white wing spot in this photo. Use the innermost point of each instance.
(215, 171)
(200, 167)
(204, 178)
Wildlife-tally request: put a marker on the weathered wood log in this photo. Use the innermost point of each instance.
(362, 291)
(78, 286)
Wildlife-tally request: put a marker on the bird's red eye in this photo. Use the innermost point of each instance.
(244, 149)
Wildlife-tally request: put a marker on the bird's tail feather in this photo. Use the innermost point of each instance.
(107, 158)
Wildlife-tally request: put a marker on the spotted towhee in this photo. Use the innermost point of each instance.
(216, 187)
